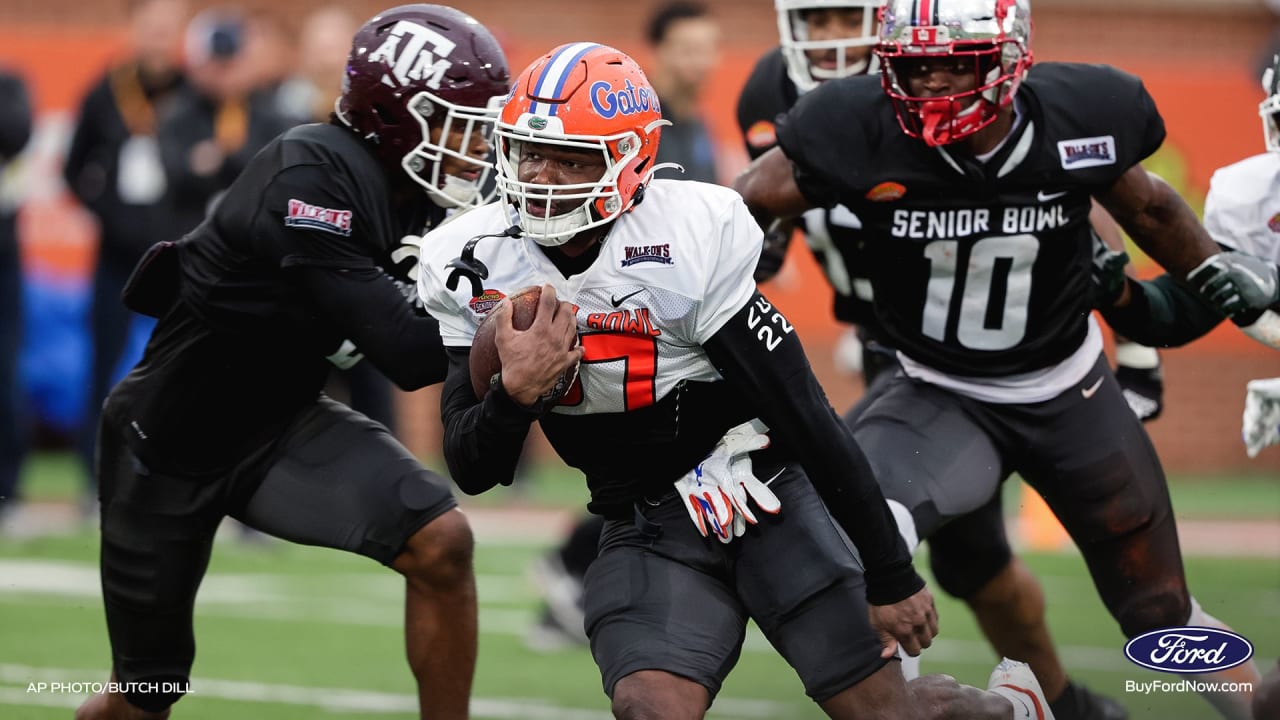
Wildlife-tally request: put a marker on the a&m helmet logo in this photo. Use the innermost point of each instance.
(1188, 650)
(414, 52)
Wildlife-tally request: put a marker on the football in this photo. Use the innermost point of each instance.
(484, 347)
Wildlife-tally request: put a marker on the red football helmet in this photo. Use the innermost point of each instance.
(416, 69)
(992, 38)
(588, 97)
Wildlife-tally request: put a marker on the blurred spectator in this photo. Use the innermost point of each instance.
(114, 168)
(686, 49)
(15, 130)
(215, 125)
(324, 42)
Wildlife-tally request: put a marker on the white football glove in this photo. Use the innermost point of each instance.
(848, 353)
(1261, 426)
(717, 492)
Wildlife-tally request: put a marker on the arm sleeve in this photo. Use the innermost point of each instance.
(482, 440)
(1162, 313)
(367, 308)
(15, 116)
(759, 354)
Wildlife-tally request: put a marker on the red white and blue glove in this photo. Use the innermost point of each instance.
(718, 492)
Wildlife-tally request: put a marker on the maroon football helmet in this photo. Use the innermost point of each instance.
(418, 68)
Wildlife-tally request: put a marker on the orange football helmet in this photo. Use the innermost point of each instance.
(583, 96)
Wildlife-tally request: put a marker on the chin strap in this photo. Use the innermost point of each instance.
(466, 265)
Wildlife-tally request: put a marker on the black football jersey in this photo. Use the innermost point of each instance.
(834, 236)
(245, 346)
(979, 269)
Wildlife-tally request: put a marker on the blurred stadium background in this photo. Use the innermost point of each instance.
(289, 632)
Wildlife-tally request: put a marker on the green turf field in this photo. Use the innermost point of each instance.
(288, 632)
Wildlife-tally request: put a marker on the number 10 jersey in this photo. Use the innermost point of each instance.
(980, 268)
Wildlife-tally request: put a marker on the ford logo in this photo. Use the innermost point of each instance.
(1188, 650)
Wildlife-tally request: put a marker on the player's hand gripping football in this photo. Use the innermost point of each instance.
(719, 491)
(534, 360)
(913, 623)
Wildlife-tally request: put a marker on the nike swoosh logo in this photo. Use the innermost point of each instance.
(619, 300)
(1044, 197)
(775, 476)
(1091, 390)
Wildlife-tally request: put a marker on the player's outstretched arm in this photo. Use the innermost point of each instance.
(367, 308)
(1159, 221)
(757, 351)
(769, 188)
(1239, 286)
(482, 439)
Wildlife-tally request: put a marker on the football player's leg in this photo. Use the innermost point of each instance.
(800, 579)
(340, 480)
(929, 453)
(664, 622)
(157, 533)
(1093, 463)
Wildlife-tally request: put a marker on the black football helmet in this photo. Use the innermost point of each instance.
(417, 74)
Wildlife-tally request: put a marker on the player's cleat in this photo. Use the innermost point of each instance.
(561, 623)
(1078, 702)
(548, 635)
(1015, 681)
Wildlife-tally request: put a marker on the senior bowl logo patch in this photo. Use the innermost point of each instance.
(486, 301)
(887, 192)
(1274, 223)
(314, 217)
(762, 134)
(1087, 152)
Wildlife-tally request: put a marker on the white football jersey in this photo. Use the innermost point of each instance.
(1242, 210)
(670, 274)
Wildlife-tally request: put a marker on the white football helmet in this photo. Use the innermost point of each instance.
(1269, 107)
(793, 34)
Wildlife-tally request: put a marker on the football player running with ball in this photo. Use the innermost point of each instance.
(704, 437)
(974, 173)
(301, 266)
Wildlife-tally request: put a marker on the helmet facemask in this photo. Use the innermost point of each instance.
(793, 34)
(569, 209)
(425, 162)
(997, 67)
(1269, 109)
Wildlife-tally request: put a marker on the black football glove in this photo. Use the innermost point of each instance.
(410, 292)
(1108, 278)
(1240, 286)
(774, 252)
(1141, 379)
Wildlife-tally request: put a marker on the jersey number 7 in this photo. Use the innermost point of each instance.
(639, 355)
